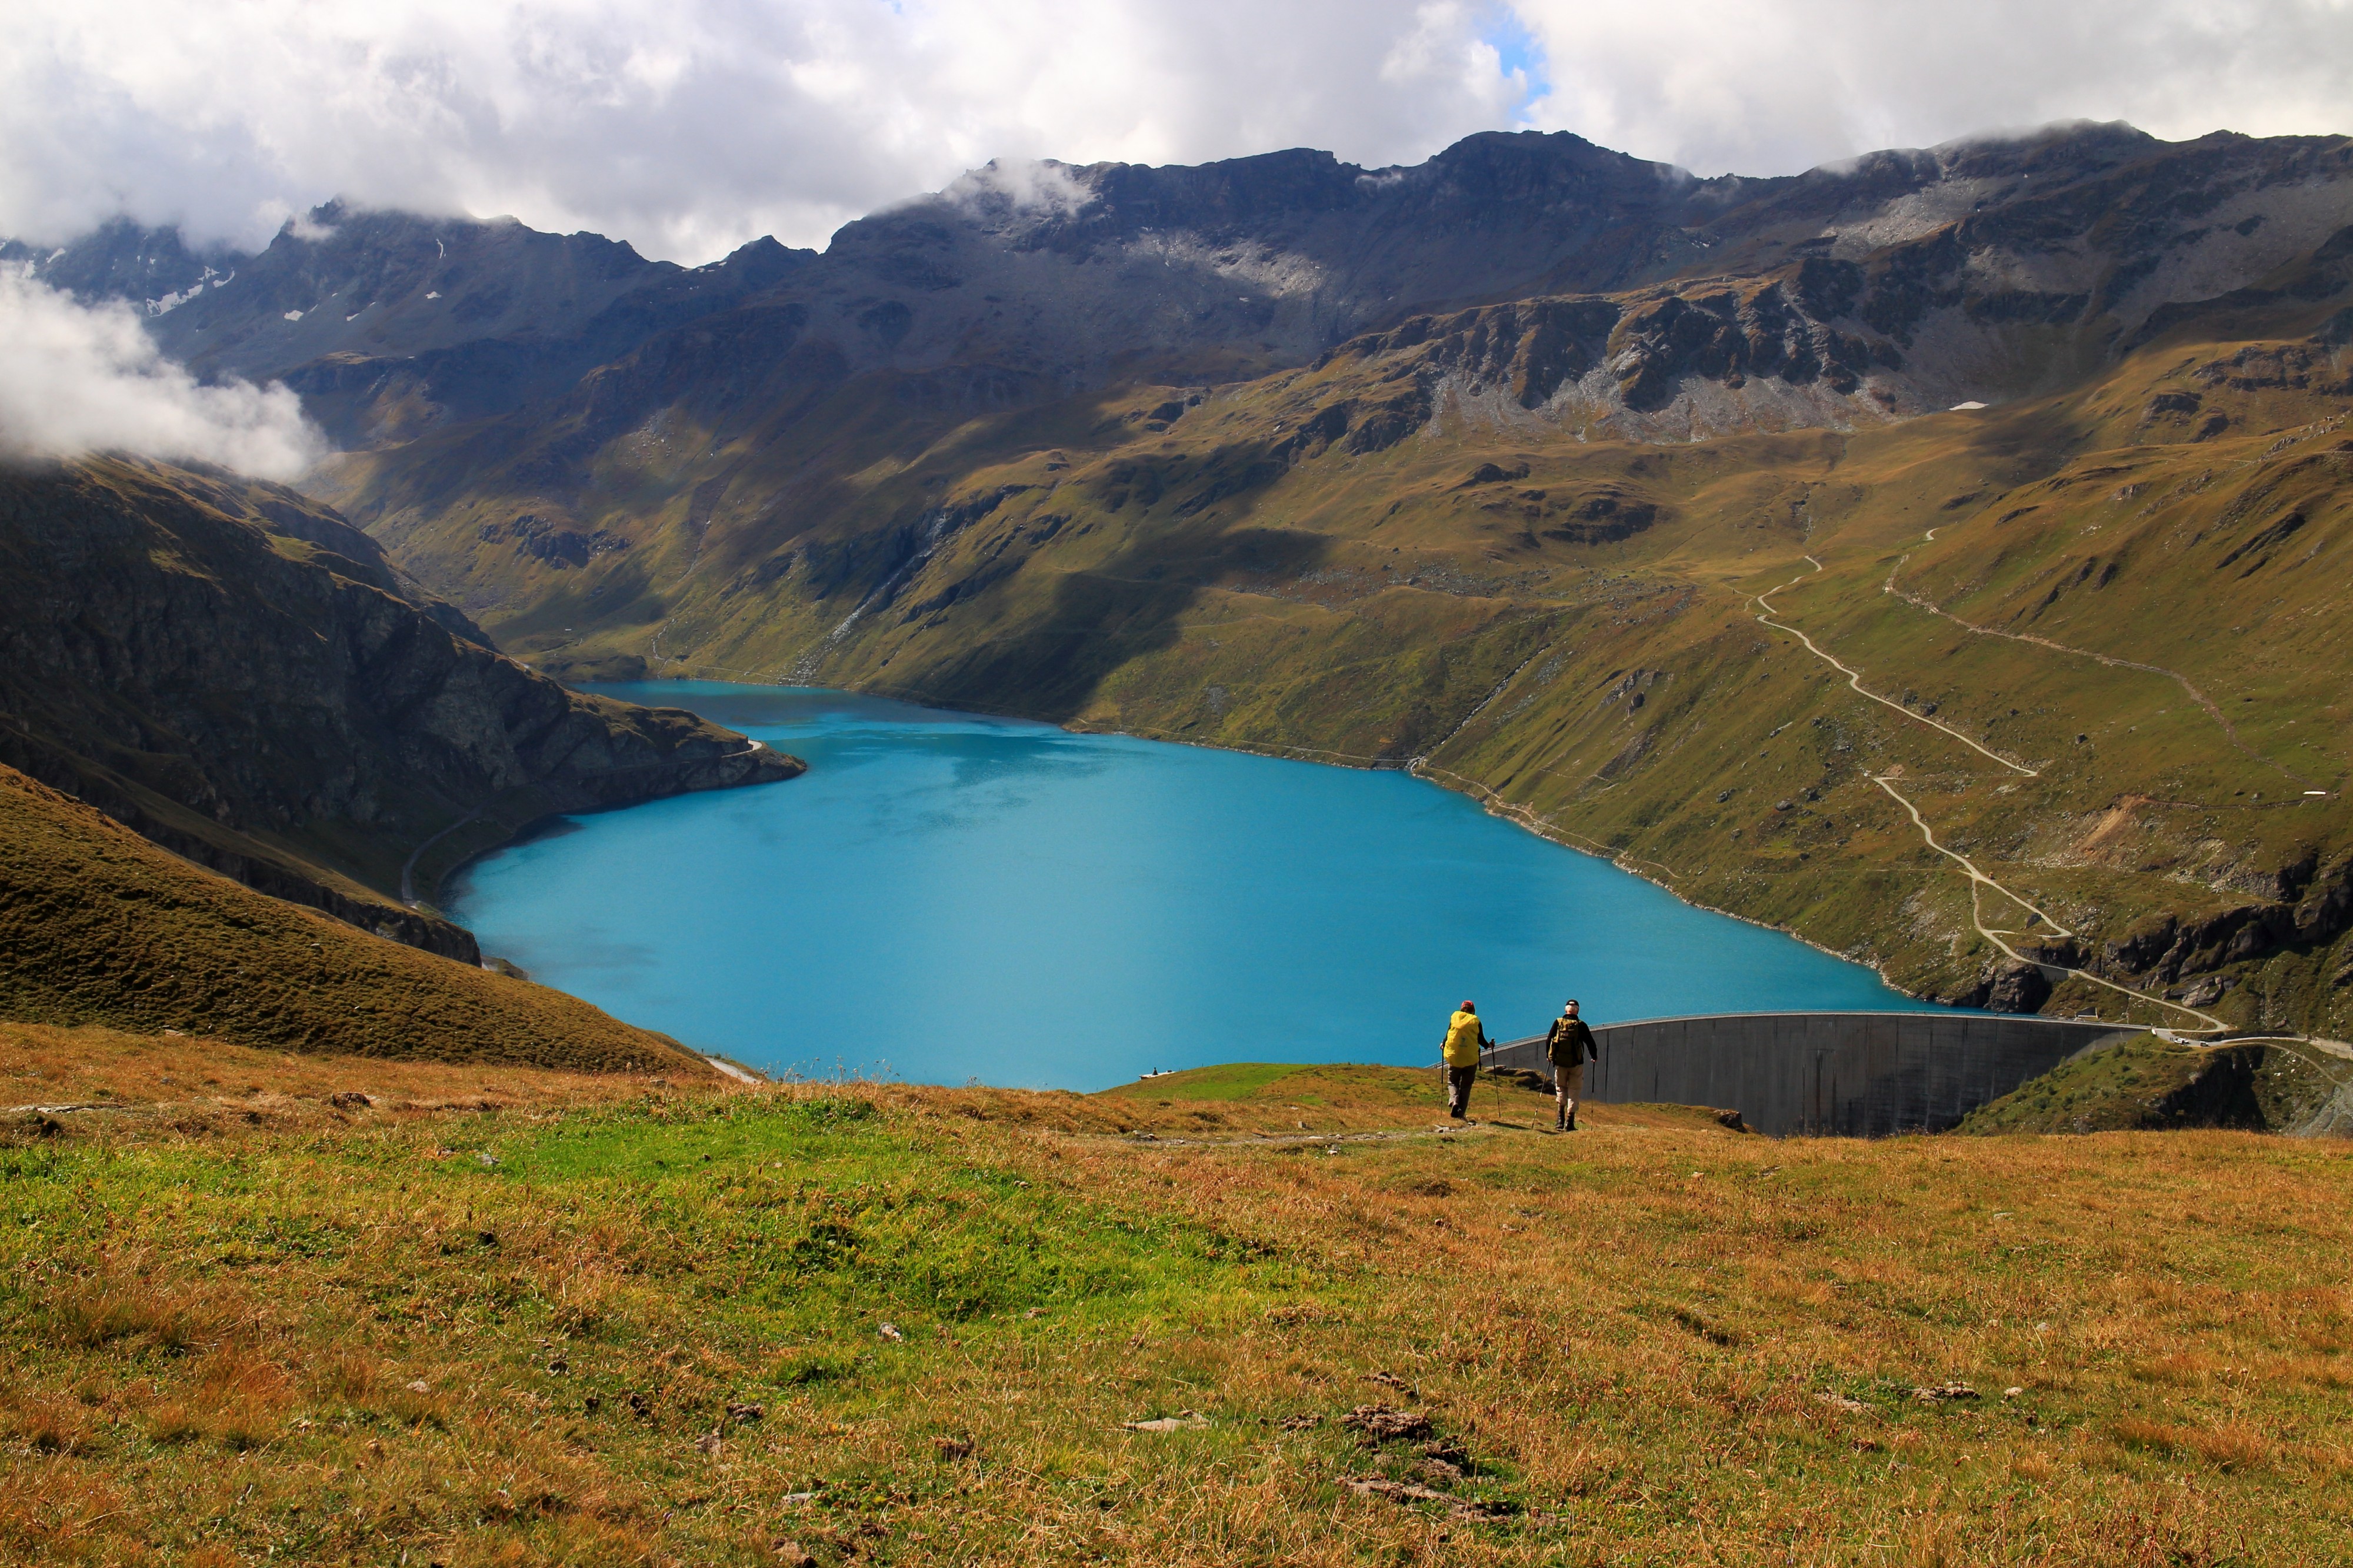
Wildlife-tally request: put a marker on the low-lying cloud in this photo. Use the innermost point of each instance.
(689, 126)
(1043, 187)
(77, 379)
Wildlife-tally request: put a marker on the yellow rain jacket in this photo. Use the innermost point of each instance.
(1462, 1033)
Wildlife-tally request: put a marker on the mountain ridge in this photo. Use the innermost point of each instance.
(1256, 263)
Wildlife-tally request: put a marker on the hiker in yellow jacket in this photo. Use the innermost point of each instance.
(1465, 1038)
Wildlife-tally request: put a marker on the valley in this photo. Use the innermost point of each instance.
(1938, 557)
(1528, 548)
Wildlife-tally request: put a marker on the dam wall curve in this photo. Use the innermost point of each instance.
(1857, 1075)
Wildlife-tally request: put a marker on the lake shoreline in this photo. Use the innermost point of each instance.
(1234, 904)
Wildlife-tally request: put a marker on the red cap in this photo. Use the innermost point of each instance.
(1469, 1006)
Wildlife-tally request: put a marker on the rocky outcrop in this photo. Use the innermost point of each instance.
(2313, 910)
(2006, 987)
(242, 677)
(1645, 349)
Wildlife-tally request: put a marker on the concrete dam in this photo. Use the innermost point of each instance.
(1856, 1075)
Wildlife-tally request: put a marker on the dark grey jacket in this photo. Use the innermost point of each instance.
(1569, 1043)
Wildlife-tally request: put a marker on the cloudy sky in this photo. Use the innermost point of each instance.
(687, 126)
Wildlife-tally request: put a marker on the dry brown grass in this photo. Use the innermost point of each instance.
(196, 1083)
(1657, 1340)
(100, 927)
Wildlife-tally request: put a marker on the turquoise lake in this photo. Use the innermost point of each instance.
(945, 897)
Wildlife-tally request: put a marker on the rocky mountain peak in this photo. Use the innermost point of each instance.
(154, 269)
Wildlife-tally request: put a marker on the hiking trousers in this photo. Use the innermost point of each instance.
(1458, 1090)
(1568, 1083)
(1568, 1086)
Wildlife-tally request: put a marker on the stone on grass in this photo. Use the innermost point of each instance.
(1187, 1421)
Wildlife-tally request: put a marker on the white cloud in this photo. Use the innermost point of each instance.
(689, 126)
(1041, 188)
(74, 379)
(1772, 86)
(684, 126)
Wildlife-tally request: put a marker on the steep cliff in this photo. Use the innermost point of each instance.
(243, 677)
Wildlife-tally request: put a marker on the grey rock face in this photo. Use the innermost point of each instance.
(243, 677)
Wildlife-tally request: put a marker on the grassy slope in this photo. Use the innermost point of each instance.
(1196, 581)
(99, 926)
(2147, 1082)
(248, 1321)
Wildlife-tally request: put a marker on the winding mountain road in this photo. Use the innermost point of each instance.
(1978, 878)
(1994, 934)
(1854, 677)
(2204, 702)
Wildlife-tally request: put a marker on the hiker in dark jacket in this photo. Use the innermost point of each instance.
(1570, 1045)
(1465, 1038)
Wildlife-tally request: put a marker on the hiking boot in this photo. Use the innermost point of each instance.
(1572, 1124)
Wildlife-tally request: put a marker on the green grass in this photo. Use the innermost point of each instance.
(1273, 1085)
(813, 1210)
(245, 1324)
(1234, 1080)
(778, 1238)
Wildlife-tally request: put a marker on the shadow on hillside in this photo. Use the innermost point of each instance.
(1128, 607)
